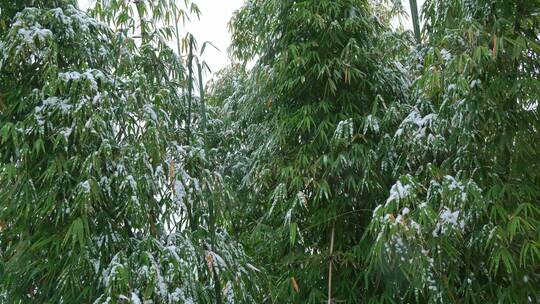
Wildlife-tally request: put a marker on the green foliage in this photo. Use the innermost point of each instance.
(449, 175)
(328, 92)
(352, 163)
(461, 224)
(97, 175)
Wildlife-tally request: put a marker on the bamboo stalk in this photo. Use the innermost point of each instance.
(211, 210)
(415, 19)
(190, 85)
(330, 263)
(177, 32)
(140, 6)
(140, 11)
(217, 285)
(203, 103)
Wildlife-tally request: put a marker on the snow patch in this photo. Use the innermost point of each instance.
(398, 192)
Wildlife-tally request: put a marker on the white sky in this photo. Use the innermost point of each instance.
(212, 26)
(408, 22)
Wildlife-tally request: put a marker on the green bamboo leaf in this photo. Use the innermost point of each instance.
(292, 233)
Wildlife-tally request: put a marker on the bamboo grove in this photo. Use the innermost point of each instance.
(338, 159)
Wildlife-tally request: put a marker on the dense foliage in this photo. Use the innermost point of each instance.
(331, 91)
(337, 160)
(462, 222)
(100, 176)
